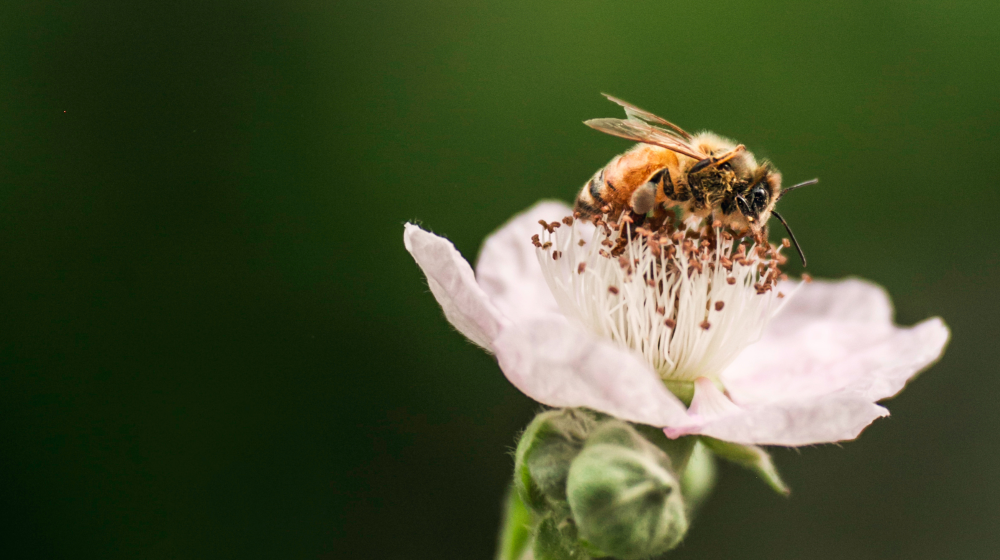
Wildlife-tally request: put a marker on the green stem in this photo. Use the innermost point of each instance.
(515, 529)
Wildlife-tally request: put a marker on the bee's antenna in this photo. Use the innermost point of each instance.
(790, 234)
(793, 187)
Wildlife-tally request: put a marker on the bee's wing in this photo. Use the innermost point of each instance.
(635, 113)
(647, 133)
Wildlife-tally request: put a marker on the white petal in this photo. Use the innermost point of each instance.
(833, 337)
(559, 364)
(832, 418)
(508, 269)
(453, 284)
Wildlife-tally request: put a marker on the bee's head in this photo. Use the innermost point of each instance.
(757, 201)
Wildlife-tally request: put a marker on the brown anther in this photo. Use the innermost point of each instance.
(719, 305)
(670, 323)
(651, 283)
(661, 310)
(654, 248)
(627, 219)
(730, 280)
(604, 254)
(807, 278)
(623, 262)
(727, 236)
(677, 236)
(581, 267)
(546, 245)
(607, 243)
(536, 241)
(556, 255)
(717, 224)
(576, 215)
(780, 295)
(786, 243)
(554, 225)
(605, 209)
(568, 220)
(783, 277)
(705, 325)
(613, 290)
(581, 243)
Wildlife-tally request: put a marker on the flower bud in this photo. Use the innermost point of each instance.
(557, 540)
(544, 453)
(624, 498)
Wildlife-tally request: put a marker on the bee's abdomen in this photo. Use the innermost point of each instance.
(591, 197)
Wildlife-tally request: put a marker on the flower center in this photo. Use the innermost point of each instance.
(689, 297)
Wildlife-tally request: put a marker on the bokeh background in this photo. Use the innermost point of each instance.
(213, 344)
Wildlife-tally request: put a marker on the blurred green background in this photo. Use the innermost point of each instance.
(215, 346)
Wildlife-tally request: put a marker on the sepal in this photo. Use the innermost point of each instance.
(751, 457)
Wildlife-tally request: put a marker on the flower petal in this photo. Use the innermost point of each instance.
(820, 420)
(508, 269)
(453, 284)
(832, 337)
(559, 364)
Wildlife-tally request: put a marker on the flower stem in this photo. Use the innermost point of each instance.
(515, 528)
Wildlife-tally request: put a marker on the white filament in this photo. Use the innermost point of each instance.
(688, 298)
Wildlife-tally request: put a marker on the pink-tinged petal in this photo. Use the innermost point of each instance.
(507, 268)
(831, 418)
(833, 337)
(453, 284)
(559, 364)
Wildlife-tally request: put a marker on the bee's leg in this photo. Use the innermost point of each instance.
(644, 198)
(717, 160)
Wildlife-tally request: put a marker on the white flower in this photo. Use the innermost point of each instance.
(623, 326)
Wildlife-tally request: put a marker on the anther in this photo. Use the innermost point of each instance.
(661, 310)
(780, 295)
(613, 290)
(581, 243)
(786, 243)
(568, 220)
(807, 278)
(556, 255)
(717, 224)
(730, 280)
(581, 268)
(719, 305)
(705, 325)
(546, 245)
(670, 323)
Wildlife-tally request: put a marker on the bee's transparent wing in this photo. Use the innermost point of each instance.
(636, 114)
(646, 133)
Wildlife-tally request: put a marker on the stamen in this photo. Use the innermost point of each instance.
(648, 288)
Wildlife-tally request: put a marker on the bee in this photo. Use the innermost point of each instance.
(704, 174)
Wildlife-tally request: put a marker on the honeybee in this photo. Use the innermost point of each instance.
(704, 174)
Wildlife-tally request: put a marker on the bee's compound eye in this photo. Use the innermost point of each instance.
(758, 197)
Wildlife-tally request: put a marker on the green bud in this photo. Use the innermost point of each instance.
(557, 540)
(624, 497)
(544, 453)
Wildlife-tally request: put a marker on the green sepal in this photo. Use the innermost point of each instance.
(624, 496)
(698, 479)
(751, 457)
(515, 531)
(544, 454)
